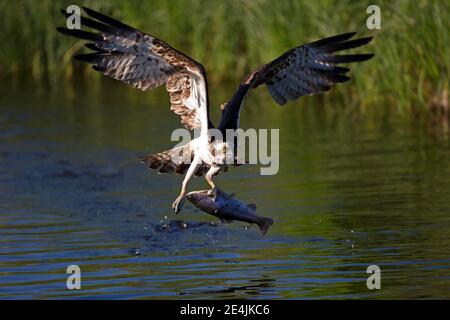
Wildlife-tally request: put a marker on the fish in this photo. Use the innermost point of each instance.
(227, 208)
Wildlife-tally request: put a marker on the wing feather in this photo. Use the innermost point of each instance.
(315, 64)
(309, 69)
(145, 62)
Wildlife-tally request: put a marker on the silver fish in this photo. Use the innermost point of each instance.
(227, 208)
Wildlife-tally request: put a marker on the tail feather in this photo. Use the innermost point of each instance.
(166, 161)
(176, 160)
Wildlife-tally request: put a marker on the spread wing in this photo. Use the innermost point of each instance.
(305, 70)
(145, 62)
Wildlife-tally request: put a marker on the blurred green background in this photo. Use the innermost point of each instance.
(410, 72)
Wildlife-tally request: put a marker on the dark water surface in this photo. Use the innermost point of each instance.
(352, 191)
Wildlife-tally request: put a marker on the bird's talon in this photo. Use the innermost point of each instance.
(213, 192)
(177, 205)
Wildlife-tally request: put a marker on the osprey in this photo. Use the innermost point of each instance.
(146, 62)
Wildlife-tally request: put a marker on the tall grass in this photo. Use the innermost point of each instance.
(410, 71)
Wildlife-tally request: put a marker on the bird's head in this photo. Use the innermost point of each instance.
(223, 152)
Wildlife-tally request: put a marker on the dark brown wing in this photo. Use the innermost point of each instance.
(309, 69)
(145, 62)
(306, 70)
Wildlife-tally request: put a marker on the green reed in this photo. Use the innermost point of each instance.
(410, 70)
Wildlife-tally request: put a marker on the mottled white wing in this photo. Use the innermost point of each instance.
(145, 62)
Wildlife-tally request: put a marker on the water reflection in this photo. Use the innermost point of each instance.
(253, 288)
(353, 190)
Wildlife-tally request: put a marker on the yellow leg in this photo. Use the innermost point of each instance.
(179, 201)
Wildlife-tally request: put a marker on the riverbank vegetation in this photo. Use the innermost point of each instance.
(410, 71)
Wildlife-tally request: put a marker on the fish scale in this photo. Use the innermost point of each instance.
(228, 208)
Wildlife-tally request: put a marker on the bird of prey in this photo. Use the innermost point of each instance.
(146, 62)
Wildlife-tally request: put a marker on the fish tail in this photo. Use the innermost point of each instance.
(264, 224)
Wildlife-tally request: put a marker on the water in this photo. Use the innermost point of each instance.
(353, 190)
